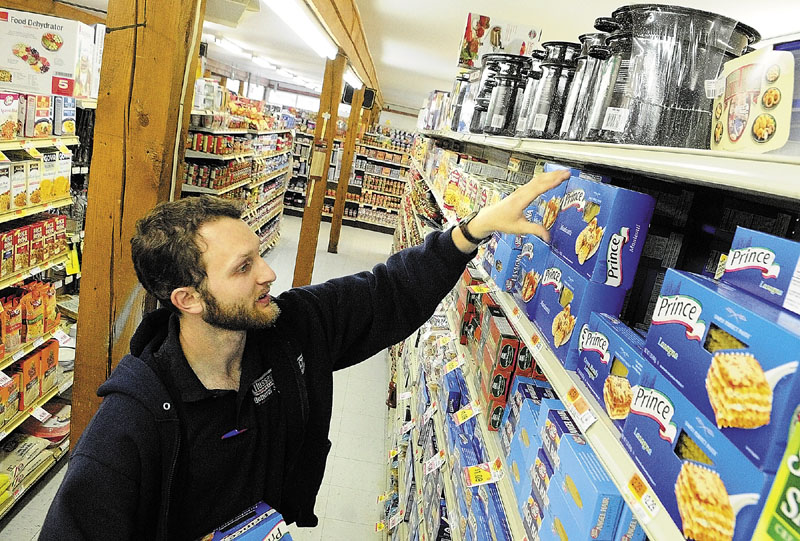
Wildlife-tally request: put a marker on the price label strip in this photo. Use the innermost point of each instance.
(429, 413)
(404, 396)
(645, 505)
(467, 412)
(407, 427)
(579, 409)
(483, 474)
(435, 462)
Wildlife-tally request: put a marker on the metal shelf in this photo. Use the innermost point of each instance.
(268, 132)
(20, 417)
(222, 157)
(34, 209)
(86, 103)
(220, 131)
(189, 188)
(383, 149)
(23, 350)
(400, 179)
(760, 174)
(39, 142)
(370, 158)
(31, 271)
(399, 196)
(271, 216)
(603, 436)
(272, 154)
(270, 176)
(363, 204)
(271, 197)
(270, 243)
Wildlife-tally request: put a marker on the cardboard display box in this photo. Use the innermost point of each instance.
(530, 268)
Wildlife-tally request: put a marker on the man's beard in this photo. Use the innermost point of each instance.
(237, 317)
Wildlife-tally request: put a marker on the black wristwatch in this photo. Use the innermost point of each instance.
(462, 225)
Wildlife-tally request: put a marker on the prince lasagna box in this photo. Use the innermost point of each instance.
(601, 229)
(565, 301)
(708, 486)
(733, 356)
(766, 266)
(530, 266)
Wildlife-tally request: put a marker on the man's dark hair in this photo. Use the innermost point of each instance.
(165, 251)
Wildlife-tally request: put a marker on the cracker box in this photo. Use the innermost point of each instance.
(766, 266)
(564, 303)
(9, 115)
(611, 362)
(530, 267)
(628, 527)
(19, 179)
(37, 255)
(505, 262)
(733, 355)
(64, 115)
(709, 487)
(601, 230)
(49, 171)
(591, 496)
(44, 54)
(28, 369)
(12, 404)
(48, 366)
(63, 174)
(5, 187)
(557, 426)
(39, 119)
(22, 247)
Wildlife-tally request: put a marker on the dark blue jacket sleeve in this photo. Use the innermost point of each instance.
(359, 315)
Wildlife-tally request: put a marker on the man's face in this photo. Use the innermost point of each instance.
(236, 290)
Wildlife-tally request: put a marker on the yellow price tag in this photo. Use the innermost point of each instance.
(452, 365)
(464, 414)
(63, 148)
(444, 340)
(637, 486)
(478, 475)
(646, 506)
(380, 526)
(479, 289)
(4, 158)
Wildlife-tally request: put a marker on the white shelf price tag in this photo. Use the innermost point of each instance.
(62, 337)
(435, 462)
(18, 355)
(41, 414)
(4, 379)
(467, 412)
(482, 474)
(66, 384)
(35, 270)
(396, 519)
(645, 505)
(429, 413)
(578, 408)
(404, 396)
(38, 342)
(407, 427)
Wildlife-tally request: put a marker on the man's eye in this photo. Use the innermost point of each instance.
(244, 268)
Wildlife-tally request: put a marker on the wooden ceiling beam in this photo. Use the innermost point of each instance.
(56, 9)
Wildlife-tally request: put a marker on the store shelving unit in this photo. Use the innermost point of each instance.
(449, 215)
(271, 216)
(221, 157)
(22, 351)
(268, 177)
(39, 142)
(220, 131)
(269, 132)
(190, 188)
(32, 271)
(385, 162)
(759, 174)
(34, 209)
(269, 155)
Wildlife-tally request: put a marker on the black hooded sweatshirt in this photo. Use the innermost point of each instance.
(128, 471)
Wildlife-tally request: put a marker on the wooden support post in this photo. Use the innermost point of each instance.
(320, 163)
(241, 88)
(353, 129)
(147, 76)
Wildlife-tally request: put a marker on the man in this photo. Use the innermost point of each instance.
(225, 399)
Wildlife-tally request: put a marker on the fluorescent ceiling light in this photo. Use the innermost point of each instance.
(263, 62)
(230, 46)
(352, 79)
(298, 17)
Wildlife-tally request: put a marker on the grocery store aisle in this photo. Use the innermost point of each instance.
(356, 472)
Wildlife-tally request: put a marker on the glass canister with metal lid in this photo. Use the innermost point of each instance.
(533, 77)
(509, 70)
(485, 87)
(558, 69)
(581, 85)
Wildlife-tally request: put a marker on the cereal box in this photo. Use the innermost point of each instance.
(22, 248)
(48, 368)
(34, 181)
(44, 54)
(64, 115)
(19, 179)
(734, 356)
(708, 486)
(531, 263)
(505, 261)
(591, 496)
(601, 230)
(564, 301)
(49, 172)
(611, 362)
(5, 187)
(9, 115)
(628, 528)
(28, 369)
(63, 174)
(766, 266)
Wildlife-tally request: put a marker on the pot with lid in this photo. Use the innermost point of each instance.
(508, 74)
(558, 69)
(575, 110)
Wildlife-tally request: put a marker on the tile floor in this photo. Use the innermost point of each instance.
(356, 472)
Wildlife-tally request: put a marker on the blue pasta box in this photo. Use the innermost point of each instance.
(601, 229)
(505, 263)
(709, 487)
(527, 407)
(258, 522)
(495, 513)
(628, 528)
(555, 429)
(488, 254)
(522, 389)
(479, 521)
(544, 209)
(451, 391)
(590, 494)
(559, 523)
(520, 461)
(611, 362)
(533, 515)
(565, 301)
(513, 240)
(530, 267)
(541, 475)
(766, 266)
(734, 356)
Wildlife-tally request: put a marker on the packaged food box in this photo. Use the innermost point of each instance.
(611, 363)
(601, 230)
(19, 178)
(526, 363)
(9, 115)
(48, 367)
(64, 115)
(27, 114)
(32, 315)
(765, 266)
(628, 528)
(495, 513)
(526, 405)
(39, 119)
(37, 247)
(28, 369)
(258, 522)
(34, 191)
(534, 514)
(494, 377)
(520, 463)
(502, 344)
(734, 356)
(6, 388)
(22, 248)
(5, 187)
(61, 233)
(49, 238)
(493, 407)
(541, 474)
(49, 170)
(591, 496)
(531, 264)
(487, 262)
(63, 174)
(565, 301)
(554, 428)
(12, 405)
(709, 487)
(97, 61)
(545, 208)
(505, 262)
(44, 54)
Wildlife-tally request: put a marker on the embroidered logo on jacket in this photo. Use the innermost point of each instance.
(263, 387)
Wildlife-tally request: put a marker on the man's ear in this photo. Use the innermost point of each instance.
(187, 299)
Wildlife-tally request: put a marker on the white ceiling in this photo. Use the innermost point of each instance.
(414, 43)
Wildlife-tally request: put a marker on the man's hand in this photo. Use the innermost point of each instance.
(507, 215)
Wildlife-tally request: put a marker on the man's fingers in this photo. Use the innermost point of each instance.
(548, 181)
(538, 230)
